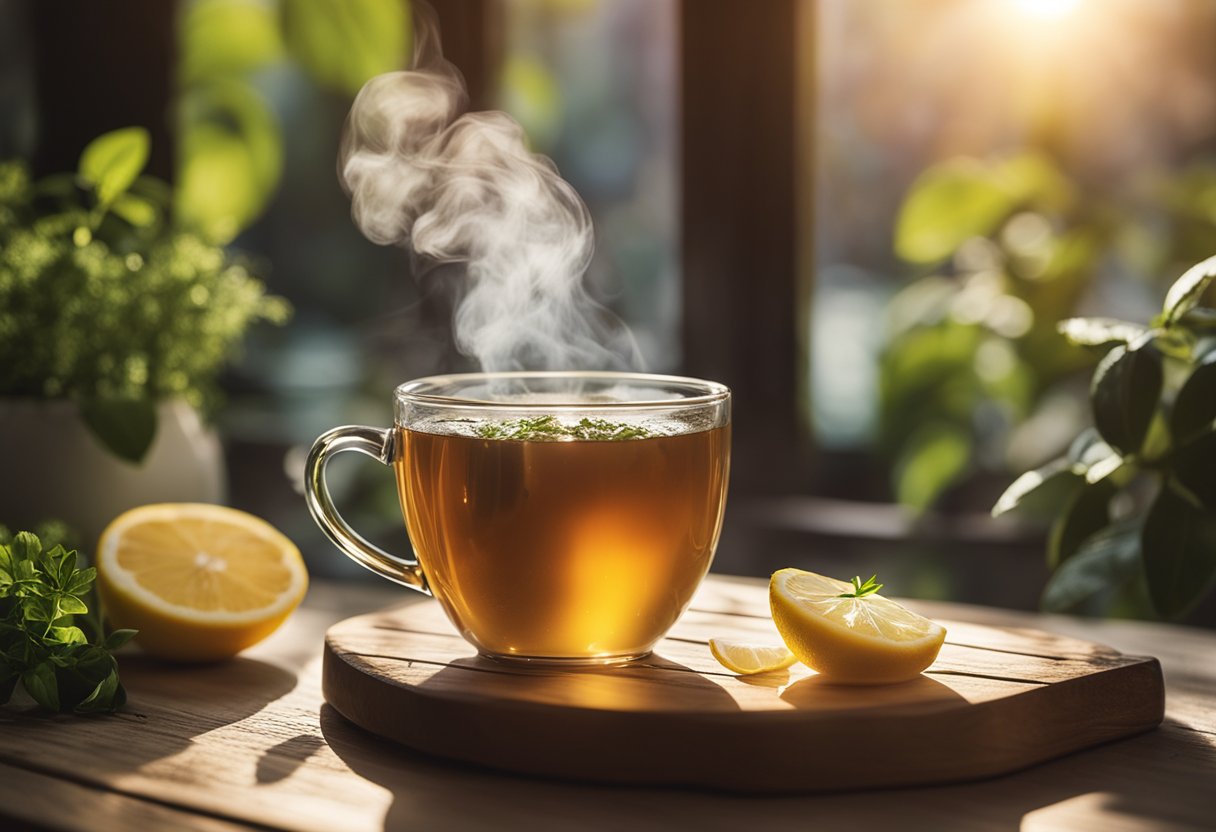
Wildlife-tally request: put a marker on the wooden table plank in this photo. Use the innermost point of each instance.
(252, 742)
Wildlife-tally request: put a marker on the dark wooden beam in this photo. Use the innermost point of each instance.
(101, 65)
(740, 230)
(471, 33)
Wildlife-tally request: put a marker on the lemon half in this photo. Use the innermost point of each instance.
(863, 641)
(200, 582)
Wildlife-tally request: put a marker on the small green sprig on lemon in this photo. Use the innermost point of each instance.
(846, 632)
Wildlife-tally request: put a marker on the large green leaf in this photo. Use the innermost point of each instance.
(1179, 545)
(1194, 409)
(1085, 512)
(227, 37)
(230, 158)
(1043, 489)
(111, 161)
(1125, 392)
(949, 204)
(936, 457)
(1188, 289)
(126, 426)
(1106, 560)
(343, 43)
(1195, 469)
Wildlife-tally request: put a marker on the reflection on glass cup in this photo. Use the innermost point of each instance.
(560, 517)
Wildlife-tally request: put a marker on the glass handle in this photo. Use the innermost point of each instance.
(380, 445)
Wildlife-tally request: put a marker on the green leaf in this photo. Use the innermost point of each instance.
(126, 426)
(67, 635)
(111, 162)
(1086, 512)
(936, 457)
(1124, 395)
(1200, 318)
(1194, 409)
(136, 210)
(102, 697)
(227, 37)
(1106, 560)
(947, 205)
(1045, 487)
(118, 638)
(1179, 544)
(1099, 332)
(25, 546)
(343, 43)
(1195, 468)
(39, 682)
(82, 581)
(230, 158)
(71, 605)
(1104, 468)
(1184, 295)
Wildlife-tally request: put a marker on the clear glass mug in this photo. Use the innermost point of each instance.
(557, 517)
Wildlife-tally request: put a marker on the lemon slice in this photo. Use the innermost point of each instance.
(863, 641)
(746, 658)
(199, 582)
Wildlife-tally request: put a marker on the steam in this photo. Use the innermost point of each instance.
(460, 187)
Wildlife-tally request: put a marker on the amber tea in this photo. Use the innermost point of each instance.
(545, 539)
(556, 516)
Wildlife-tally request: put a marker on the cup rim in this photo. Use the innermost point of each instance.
(417, 389)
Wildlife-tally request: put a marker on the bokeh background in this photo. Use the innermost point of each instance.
(865, 216)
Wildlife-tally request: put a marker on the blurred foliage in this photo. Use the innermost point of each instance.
(104, 302)
(230, 153)
(530, 94)
(1134, 499)
(972, 351)
(342, 43)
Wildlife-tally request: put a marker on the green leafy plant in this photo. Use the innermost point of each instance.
(975, 376)
(105, 303)
(230, 150)
(1135, 496)
(42, 645)
(862, 588)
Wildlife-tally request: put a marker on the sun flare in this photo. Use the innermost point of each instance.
(1044, 9)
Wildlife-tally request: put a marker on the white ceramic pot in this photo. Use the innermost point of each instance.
(52, 467)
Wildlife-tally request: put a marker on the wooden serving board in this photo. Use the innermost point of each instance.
(996, 700)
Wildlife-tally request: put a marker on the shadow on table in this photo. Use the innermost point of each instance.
(177, 702)
(1149, 779)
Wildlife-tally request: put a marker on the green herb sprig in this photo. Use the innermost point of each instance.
(41, 646)
(550, 429)
(862, 589)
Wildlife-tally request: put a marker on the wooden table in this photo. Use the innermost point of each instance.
(250, 743)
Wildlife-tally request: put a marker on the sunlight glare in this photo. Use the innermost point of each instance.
(1044, 9)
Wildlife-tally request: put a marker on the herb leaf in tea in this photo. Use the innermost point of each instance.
(549, 429)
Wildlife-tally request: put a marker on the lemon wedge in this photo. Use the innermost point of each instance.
(199, 582)
(868, 640)
(746, 658)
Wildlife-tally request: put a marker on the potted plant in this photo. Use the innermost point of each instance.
(114, 323)
(1134, 499)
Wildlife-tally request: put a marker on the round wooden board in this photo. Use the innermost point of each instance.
(995, 701)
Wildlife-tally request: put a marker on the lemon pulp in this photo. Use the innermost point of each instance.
(867, 640)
